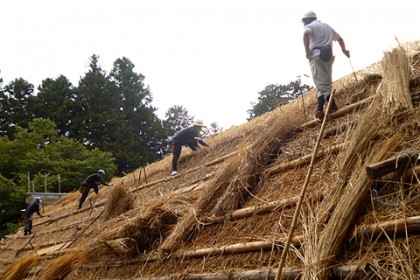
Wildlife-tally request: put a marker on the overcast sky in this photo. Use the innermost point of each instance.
(212, 57)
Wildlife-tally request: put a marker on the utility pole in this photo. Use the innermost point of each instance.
(59, 187)
(45, 182)
(29, 183)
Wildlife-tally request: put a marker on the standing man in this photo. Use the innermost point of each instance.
(318, 40)
(91, 182)
(30, 210)
(190, 136)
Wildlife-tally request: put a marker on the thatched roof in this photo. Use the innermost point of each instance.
(279, 196)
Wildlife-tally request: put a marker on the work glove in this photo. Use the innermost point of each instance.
(110, 185)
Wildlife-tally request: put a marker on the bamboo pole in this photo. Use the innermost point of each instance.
(402, 161)
(351, 271)
(236, 248)
(303, 192)
(255, 210)
(398, 226)
(145, 175)
(346, 110)
(83, 231)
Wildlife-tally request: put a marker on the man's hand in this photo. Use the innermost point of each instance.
(110, 185)
(347, 53)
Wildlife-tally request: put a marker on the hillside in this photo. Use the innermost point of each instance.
(342, 197)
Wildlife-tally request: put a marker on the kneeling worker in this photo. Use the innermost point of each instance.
(190, 136)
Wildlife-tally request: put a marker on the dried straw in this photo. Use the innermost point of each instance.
(394, 88)
(61, 266)
(278, 129)
(365, 146)
(20, 268)
(204, 203)
(147, 230)
(120, 200)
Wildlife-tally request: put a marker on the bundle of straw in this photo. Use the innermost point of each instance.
(20, 268)
(58, 268)
(147, 230)
(120, 200)
(394, 88)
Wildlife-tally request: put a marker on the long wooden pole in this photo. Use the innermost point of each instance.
(303, 191)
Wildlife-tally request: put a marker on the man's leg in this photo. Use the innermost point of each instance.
(27, 226)
(321, 74)
(83, 197)
(333, 104)
(176, 154)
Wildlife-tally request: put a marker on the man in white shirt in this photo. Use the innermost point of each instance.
(318, 38)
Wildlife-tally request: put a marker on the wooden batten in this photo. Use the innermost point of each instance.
(400, 162)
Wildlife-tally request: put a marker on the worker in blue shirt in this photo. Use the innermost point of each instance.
(30, 211)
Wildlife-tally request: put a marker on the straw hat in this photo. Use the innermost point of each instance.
(199, 123)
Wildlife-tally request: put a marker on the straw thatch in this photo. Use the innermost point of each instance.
(362, 149)
(58, 268)
(20, 268)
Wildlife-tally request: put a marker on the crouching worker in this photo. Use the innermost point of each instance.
(191, 137)
(91, 182)
(29, 212)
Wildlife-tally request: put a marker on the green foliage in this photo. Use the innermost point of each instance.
(41, 151)
(214, 128)
(11, 202)
(56, 100)
(16, 106)
(177, 118)
(275, 95)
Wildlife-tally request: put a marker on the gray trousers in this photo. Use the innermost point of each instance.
(322, 75)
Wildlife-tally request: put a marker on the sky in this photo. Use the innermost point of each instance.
(212, 57)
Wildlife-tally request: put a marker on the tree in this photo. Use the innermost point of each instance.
(56, 101)
(15, 104)
(11, 202)
(138, 133)
(213, 129)
(40, 151)
(94, 106)
(177, 118)
(275, 95)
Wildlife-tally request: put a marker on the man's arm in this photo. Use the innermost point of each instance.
(343, 46)
(106, 184)
(306, 43)
(201, 141)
